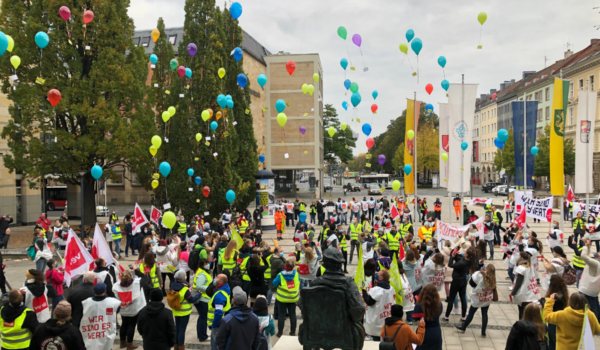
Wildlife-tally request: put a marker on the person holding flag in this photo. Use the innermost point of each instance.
(571, 321)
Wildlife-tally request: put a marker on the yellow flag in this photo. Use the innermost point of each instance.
(236, 236)
(359, 275)
(557, 136)
(409, 145)
(396, 281)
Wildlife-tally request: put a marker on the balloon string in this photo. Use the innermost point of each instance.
(480, 30)
(363, 57)
(444, 71)
(166, 193)
(411, 66)
(41, 56)
(417, 69)
(348, 51)
(403, 60)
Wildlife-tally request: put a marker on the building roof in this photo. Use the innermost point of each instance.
(175, 36)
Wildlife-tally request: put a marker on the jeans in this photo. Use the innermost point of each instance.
(318, 253)
(409, 316)
(456, 300)
(522, 308)
(461, 291)
(312, 218)
(40, 265)
(289, 217)
(164, 279)
(371, 213)
(344, 218)
(353, 245)
(202, 308)
(117, 247)
(128, 328)
(269, 296)
(551, 336)
(181, 323)
(303, 283)
(60, 298)
(484, 317)
(284, 308)
(329, 215)
(497, 235)
(491, 245)
(509, 216)
(213, 338)
(321, 217)
(511, 274)
(355, 214)
(593, 303)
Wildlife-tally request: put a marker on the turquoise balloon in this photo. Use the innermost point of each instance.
(407, 169)
(262, 80)
(164, 168)
(347, 84)
(416, 46)
(198, 180)
(345, 105)
(214, 125)
(230, 195)
(153, 58)
(442, 61)
(96, 172)
(503, 135)
(42, 40)
(534, 150)
(375, 94)
(3, 43)
(445, 84)
(280, 106)
(410, 34)
(464, 146)
(355, 99)
(190, 172)
(188, 73)
(222, 101)
(344, 63)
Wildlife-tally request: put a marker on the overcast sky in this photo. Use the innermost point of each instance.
(516, 37)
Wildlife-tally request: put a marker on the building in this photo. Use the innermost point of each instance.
(488, 132)
(475, 160)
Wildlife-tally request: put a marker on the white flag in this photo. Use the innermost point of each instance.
(100, 248)
(139, 219)
(443, 141)
(77, 258)
(584, 142)
(587, 337)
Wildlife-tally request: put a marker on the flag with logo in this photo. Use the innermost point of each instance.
(444, 145)
(570, 193)
(557, 135)
(139, 219)
(77, 258)
(396, 281)
(155, 215)
(394, 211)
(584, 141)
(412, 106)
(359, 275)
(522, 218)
(100, 248)
(235, 235)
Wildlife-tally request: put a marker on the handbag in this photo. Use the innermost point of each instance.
(495, 296)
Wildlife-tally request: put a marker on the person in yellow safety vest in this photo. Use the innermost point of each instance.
(243, 225)
(113, 217)
(425, 232)
(578, 226)
(148, 267)
(116, 237)
(229, 259)
(182, 227)
(423, 208)
(219, 304)
(405, 229)
(202, 280)
(343, 237)
(186, 300)
(393, 241)
(244, 265)
(17, 323)
(302, 207)
(288, 293)
(355, 229)
(578, 262)
(313, 212)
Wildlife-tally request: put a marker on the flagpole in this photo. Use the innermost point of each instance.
(562, 207)
(415, 169)
(587, 153)
(462, 156)
(524, 143)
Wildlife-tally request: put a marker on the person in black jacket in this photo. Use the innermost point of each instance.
(4, 222)
(101, 267)
(320, 214)
(529, 332)
(78, 295)
(14, 309)
(129, 236)
(257, 216)
(461, 267)
(58, 332)
(155, 324)
(239, 329)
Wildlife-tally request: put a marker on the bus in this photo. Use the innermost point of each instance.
(56, 197)
(384, 180)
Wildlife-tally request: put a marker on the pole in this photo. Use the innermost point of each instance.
(587, 153)
(82, 226)
(415, 138)
(462, 156)
(524, 144)
(562, 207)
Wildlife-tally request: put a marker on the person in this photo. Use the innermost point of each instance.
(42, 250)
(430, 308)
(461, 267)
(313, 212)
(129, 292)
(256, 273)
(43, 222)
(116, 237)
(103, 275)
(36, 293)
(379, 299)
(488, 234)
(99, 312)
(17, 323)
(219, 304)
(130, 239)
(578, 226)
(57, 333)
(557, 265)
(280, 223)
(589, 285)
(525, 288)
(355, 228)
(394, 329)
(166, 259)
(277, 266)
(288, 293)
(182, 316)
(182, 258)
(320, 212)
(413, 266)
(289, 214)
(483, 283)
(578, 263)
(55, 278)
(239, 329)
(155, 324)
(226, 217)
(78, 295)
(434, 270)
(437, 207)
(5, 221)
(113, 217)
(556, 285)
(265, 321)
(555, 236)
(530, 331)
(508, 209)
(202, 280)
(570, 321)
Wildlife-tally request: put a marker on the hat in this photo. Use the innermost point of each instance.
(156, 295)
(207, 226)
(397, 311)
(62, 310)
(179, 275)
(162, 243)
(100, 288)
(29, 275)
(385, 252)
(239, 296)
(260, 307)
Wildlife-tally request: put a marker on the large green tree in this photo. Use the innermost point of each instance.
(102, 118)
(505, 158)
(339, 147)
(542, 159)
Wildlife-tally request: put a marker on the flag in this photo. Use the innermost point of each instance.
(236, 236)
(394, 211)
(100, 248)
(396, 281)
(155, 215)
(77, 258)
(570, 194)
(409, 145)
(444, 146)
(359, 275)
(584, 141)
(521, 218)
(401, 252)
(139, 219)
(519, 139)
(586, 341)
(557, 135)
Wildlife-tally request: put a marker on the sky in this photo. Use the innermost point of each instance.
(517, 37)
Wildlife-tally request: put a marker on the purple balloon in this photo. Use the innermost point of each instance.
(357, 40)
(302, 130)
(381, 159)
(192, 49)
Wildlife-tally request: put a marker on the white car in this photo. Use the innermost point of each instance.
(497, 189)
(101, 210)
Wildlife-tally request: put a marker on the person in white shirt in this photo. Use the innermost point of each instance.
(343, 210)
(589, 285)
(371, 202)
(226, 217)
(379, 302)
(99, 312)
(555, 237)
(365, 206)
(508, 209)
(57, 229)
(525, 288)
(355, 209)
(483, 284)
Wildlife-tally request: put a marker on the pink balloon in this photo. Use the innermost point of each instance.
(357, 40)
(302, 130)
(88, 16)
(64, 12)
(181, 71)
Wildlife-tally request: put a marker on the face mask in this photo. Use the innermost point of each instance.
(554, 226)
(526, 235)
(145, 231)
(341, 231)
(215, 282)
(207, 266)
(428, 248)
(151, 242)
(281, 254)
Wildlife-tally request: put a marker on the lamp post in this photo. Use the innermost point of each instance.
(82, 174)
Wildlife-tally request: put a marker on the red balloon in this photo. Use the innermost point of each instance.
(370, 143)
(290, 66)
(206, 191)
(54, 97)
(374, 108)
(181, 71)
(64, 12)
(494, 95)
(429, 88)
(88, 16)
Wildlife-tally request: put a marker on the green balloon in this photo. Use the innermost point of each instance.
(173, 64)
(354, 87)
(342, 32)
(482, 17)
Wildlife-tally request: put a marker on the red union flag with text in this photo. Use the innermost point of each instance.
(139, 219)
(76, 259)
(155, 215)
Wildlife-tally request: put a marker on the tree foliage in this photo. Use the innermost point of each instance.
(358, 163)
(398, 160)
(428, 148)
(505, 158)
(542, 159)
(339, 147)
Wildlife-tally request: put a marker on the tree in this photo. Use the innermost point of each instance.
(505, 158)
(339, 147)
(542, 159)
(428, 147)
(358, 163)
(398, 160)
(102, 118)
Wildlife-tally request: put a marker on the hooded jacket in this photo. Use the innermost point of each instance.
(569, 324)
(238, 330)
(277, 264)
(65, 337)
(164, 258)
(10, 313)
(287, 275)
(405, 336)
(220, 300)
(523, 335)
(156, 326)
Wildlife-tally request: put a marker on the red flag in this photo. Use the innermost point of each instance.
(394, 211)
(521, 218)
(100, 248)
(570, 194)
(139, 219)
(401, 252)
(155, 215)
(76, 259)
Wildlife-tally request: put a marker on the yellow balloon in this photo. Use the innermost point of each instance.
(198, 137)
(155, 34)
(153, 150)
(219, 115)
(221, 72)
(304, 88)
(344, 126)
(169, 219)
(282, 119)
(15, 61)
(211, 112)
(331, 131)
(404, 48)
(444, 157)
(311, 89)
(156, 141)
(11, 43)
(155, 176)
(205, 115)
(172, 111)
(166, 116)
(316, 77)
(154, 183)
(396, 185)
(410, 134)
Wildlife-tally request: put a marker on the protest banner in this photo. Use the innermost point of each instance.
(449, 232)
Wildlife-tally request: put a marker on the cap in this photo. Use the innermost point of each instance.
(260, 307)
(162, 243)
(239, 296)
(180, 275)
(100, 288)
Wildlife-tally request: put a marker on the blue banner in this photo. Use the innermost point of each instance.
(517, 110)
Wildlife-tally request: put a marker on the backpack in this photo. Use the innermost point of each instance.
(235, 278)
(387, 343)
(173, 300)
(31, 252)
(570, 275)
(263, 343)
(194, 259)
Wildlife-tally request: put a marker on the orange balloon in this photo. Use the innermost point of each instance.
(155, 34)
(219, 115)
(210, 111)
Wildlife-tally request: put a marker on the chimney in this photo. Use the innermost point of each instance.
(526, 74)
(502, 86)
(512, 81)
(482, 96)
(492, 91)
(568, 53)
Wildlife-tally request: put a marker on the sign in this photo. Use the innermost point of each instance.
(540, 209)
(480, 201)
(449, 232)
(580, 207)
(519, 200)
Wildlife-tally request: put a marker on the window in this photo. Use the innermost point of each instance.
(571, 121)
(597, 141)
(539, 115)
(528, 98)
(537, 95)
(571, 93)
(591, 83)
(146, 41)
(172, 39)
(539, 132)
(547, 113)
(135, 181)
(118, 180)
(547, 94)
(136, 41)
(580, 84)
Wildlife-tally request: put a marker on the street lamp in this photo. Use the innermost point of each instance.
(82, 174)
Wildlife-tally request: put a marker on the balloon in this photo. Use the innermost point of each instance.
(370, 143)
(41, 39)
(188, 73)
(153, 58)
(316, 77)
(3, 43)
(206, 191)
(222, 101)
(416, 46)
(261, 158)
(221, 72)
(153, 150)
(156, 141)
(15, 61)
(156, 176)
(498, 143)
(311, 89)
(345, 105)
(290, 66)
(375, 94)
(164, 168)
(282, 119)
(410, 34)
(155, 34)
(342, 32)
(11, 43)
(230, 195)
(374, 108)
(205, 115)
(96, 172)
(242, 80)
(396, 185)
(347, 84)
(366, 128)
(407, 169)
(444, 157)
(410, 134)
(344, 63)
(302, 130)
(302, 217)
(166, 116)
(429, 108)
(173, 64)
(169, 219)
(154, 183)
(534, 150)
(404, 48)
(355, 99)
(464, 146)
(235, 10)
(494, 95)
(210, 112)
(172, 111)
(219, 114)
(343, 126)
(190, 172)
(198, 137)
(214, 125)
(88, 16)
(429, 88)
(198, 180)
(262, 80)
(482, 17)
(181, 71)
(280, 106)
(305, 88)
(54, 97)
(237, 54)
(331, 131)
(445, 84)
(503, 135)
(65, 13)
(442, 61)
(357, 40)
(192, 49)
(381, 159)
(354, 87)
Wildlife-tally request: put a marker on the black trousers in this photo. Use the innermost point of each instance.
(283, 309)
(354, 245)
(461, 290)
(522, 308)
(2, 281)
(289, 217)
(128, 328)
(371, 213)
(164, 278)
(345, 254)
(296, 213)
(484, 317)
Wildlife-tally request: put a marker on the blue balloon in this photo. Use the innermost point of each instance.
(190, 172)
(222, 101)
(375, 94)
(355, 99)
(347, 83)
(41, 39)
(230, 104)
(366, 128)
(230, 195)
(262, 80)
(302, 217)
(242, 80)
(407, 169)
(416, 46)
(198, 180)
(429, 108)
(153, 58)
(534, 150)
(261, 158)
(229, 98)
(445, 84)
(344, 63)
(3, 43)
(164, 168)
(188, 73)
(345, 105)
(410, 34)
(464, 146)
(214, 125)
(237, 54)
(442, 61)
(498, 143)
(235, 10)
(503, 135)
(96, 172)
(280, 106)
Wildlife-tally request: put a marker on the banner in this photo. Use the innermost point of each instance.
(560, 100)
(480, 201)
(519, 200)
(586, 342)
(540, 209)
(359, 274)
(570, 193)
(521, 219)
(461, 109)
(155, 215)
(444, 146)
(409, 145)
(584, 142)
(518, 132)
(139, 219)
(77, 258)
(580, 207)
(265, 194)
(448, 232)
(396, 281)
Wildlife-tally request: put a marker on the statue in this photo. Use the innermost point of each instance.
(330, 307)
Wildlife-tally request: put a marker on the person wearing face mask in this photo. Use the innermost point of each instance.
(488, 234)
(578, 226)
(425, 231)
(343, 238)
(202, 279)
(555, 237)
(379, 300)
(355, 229)
(593, 230)
(525, 288)
(219, 304)
(116, 237)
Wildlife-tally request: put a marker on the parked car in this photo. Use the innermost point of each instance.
(488, 186)
(328, 187)
(353, 187)
(374, 189)
(497, 189)
(101, 210)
